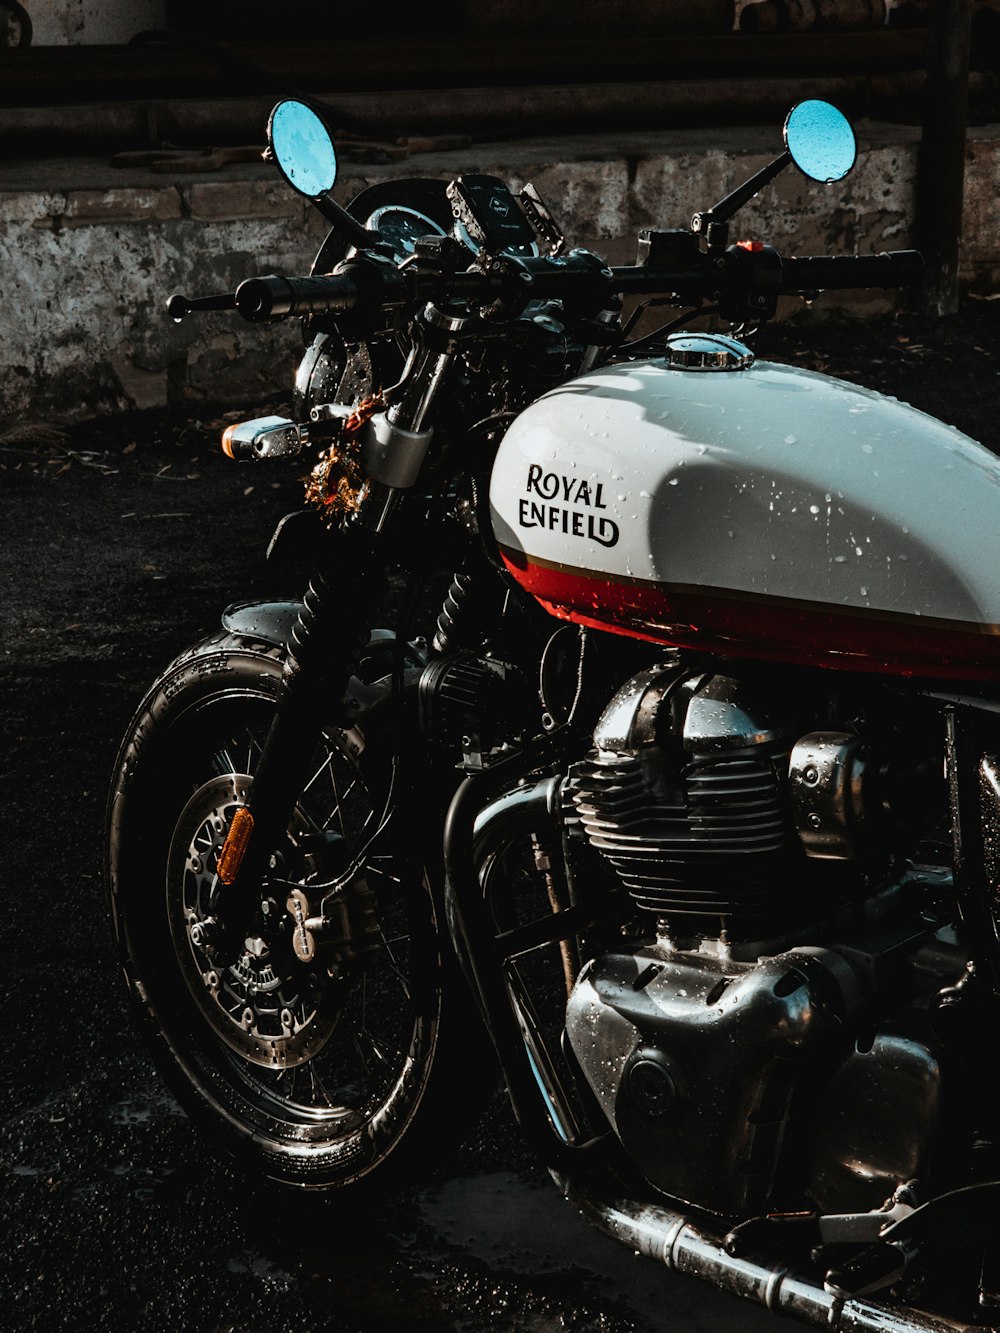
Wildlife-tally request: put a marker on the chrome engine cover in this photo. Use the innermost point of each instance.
(738, 1088)
(694, 1061)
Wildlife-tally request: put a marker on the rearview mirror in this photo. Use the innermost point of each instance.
(820, 140)
(302, 148)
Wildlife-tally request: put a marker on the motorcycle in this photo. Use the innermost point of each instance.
(687, 814)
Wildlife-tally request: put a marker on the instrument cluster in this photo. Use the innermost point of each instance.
(402, 226)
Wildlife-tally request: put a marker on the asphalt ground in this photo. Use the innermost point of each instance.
(122, 539)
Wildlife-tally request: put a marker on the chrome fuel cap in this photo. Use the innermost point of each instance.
(707, 351)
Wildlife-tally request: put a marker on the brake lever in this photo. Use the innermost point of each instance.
(179, 305)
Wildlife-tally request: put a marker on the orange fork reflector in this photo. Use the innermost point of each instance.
(228, 865)
(227, 449)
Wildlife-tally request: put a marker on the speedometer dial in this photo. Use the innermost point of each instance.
(402, 227)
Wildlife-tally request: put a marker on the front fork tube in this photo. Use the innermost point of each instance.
(395, 442)
(333, 625)
(334, 621)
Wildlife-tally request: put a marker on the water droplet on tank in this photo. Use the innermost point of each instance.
(867, 448)
(622, 499)
(864, 591)
(791, 439)
(644, 495)
(859, 550)
(814, 509)
(671, 481)
(840, 559)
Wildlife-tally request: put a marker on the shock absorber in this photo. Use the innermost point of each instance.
(333, 623)
(455, 616)
(472, 607)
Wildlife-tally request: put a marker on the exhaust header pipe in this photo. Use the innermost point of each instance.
(660, 1233)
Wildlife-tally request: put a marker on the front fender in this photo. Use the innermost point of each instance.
(270, 621)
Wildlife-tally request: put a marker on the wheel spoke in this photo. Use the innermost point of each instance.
(379, 1052)
(223, 763)
(394, 967)
(326, 764)
(380, 870)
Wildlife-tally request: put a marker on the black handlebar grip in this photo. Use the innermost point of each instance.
(273, 297)
(815, 273)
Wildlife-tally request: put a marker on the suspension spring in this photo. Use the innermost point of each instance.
(472, 606)
(333, 625)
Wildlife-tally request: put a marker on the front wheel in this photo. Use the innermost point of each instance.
(322, 1058)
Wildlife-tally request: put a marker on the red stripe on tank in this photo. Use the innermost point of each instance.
(745, 624)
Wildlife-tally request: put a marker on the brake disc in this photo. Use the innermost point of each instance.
(260, 999)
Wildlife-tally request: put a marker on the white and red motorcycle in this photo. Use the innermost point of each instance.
(689, 812)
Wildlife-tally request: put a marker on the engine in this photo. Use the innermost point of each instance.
(769, 1037)
(722, 807)
(760, 1020)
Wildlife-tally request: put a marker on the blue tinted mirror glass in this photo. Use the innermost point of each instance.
(302, 148)
(820, 140)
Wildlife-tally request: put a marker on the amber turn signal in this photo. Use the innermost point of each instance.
(227, 441)
(228, 865)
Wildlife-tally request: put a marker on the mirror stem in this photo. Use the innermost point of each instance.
(339, 218)
(725, 208)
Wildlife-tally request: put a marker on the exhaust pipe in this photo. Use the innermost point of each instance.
(673, 1239)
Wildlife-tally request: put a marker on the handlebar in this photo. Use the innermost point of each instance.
(275, 297)
(892, 268)
(375, 286)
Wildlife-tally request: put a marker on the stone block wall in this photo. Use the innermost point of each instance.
(89, 254)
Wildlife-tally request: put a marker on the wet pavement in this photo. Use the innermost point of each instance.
(116, 1215)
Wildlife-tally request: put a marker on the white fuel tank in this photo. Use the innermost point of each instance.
(764, 511)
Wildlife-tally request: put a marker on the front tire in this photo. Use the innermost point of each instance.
(340, 1068)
